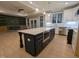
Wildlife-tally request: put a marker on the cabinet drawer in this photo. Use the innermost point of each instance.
(39, 35)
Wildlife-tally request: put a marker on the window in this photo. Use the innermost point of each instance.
(41, 21)
(54, 18)
(57, 18)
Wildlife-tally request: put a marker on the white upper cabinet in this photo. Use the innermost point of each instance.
(71, 14)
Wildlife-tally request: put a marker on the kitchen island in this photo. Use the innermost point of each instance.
(36, 39)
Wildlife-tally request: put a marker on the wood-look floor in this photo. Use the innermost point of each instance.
(9, 47)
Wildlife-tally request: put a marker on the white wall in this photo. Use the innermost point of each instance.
(48, 19)
(68, 15)
(75, 17)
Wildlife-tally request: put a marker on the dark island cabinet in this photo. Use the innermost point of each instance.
(34, 44)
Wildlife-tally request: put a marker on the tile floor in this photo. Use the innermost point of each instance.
(9, 47)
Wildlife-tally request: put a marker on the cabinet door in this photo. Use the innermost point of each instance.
(39, 39)
(69, 36)
(29, 44)
(52, 33)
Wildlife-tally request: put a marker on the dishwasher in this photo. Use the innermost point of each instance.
(62, 31)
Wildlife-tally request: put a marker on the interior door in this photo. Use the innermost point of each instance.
(35, 23)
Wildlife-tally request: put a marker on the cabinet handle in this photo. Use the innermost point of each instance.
(46, 39)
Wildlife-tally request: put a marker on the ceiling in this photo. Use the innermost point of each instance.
(14, 6)
(29, 9)
(53, 6)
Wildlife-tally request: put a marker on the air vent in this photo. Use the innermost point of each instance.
(19, 10)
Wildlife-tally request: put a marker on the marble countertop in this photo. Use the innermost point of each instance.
(74, 29)
(35, 31)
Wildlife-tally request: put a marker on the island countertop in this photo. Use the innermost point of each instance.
(35, 31)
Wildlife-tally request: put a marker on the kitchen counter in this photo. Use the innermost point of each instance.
(35, 31)
(36, 39)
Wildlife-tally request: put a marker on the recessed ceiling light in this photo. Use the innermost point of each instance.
(30, 2)
(37, 9)
(48, 14)
(44, 13)
(66, 3)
